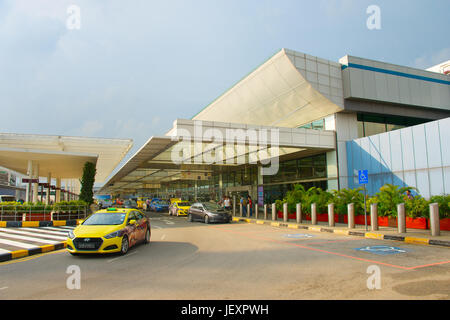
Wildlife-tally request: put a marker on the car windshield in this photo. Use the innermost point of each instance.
(212, 206)
(103, 219)
(183, 204)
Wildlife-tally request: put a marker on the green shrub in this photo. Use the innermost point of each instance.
(388, 198)
(341, 199)
(418, 207)
(444, 205)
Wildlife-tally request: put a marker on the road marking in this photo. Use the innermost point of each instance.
(18, 244)
(168, 222)
(3, 288)
(36, 234)
(67, 227)
(40, 230)
(14, 236)
(129, 254)
(2, 251)
(163, 236)
(157, 227)
(31, 257)
(51, 228)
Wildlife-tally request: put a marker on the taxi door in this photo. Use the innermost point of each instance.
(132, 235)
(141, 226)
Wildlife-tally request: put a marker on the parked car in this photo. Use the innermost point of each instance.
(159, 206)
(208, 212)
(108, 231)
(130, 203)
(179, 208)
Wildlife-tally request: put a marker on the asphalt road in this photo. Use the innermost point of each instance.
(235, 261)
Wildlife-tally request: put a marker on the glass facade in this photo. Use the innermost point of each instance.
(371, 124)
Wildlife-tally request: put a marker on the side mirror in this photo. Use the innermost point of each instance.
(132, 222)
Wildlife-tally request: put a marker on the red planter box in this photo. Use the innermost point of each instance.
(416, 223)
(359, 219)
(445, 224)
(38, 217)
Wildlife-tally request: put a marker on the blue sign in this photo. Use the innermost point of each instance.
(382, 250)
(363, 176)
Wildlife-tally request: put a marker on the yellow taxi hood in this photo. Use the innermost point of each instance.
(95, 231)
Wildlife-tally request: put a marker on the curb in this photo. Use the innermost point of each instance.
(38, 224)
(368, 235)
(24, 253)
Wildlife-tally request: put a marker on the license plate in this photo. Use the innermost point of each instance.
(86, 245)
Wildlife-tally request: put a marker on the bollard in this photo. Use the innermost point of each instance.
(265, 211)
(331, 215)
(434, 219)
(313, 213)
(374, 217)
(285, 212)
(298, 211)
(256, 211)
(401, 218)
(240, 209)
(351, 215)
(249, 208)
(24, 217)
(234, 206)
(274, 212)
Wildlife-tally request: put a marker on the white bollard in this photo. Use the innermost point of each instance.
(256, 211)
(274, 212)
(285, 212)
(265, 211)
(434, 219)
(240, 209)
(298, 210)
(351, 215)
(313, 213)
(374, 217)
(331, 215)
(401, 218)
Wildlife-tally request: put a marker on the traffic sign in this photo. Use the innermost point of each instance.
(382, 250)
(363, 176)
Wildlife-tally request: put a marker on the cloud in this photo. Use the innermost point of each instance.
(427, 61)
(91, 127)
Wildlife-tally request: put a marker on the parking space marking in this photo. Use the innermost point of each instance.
(382, 250)
(329, 252)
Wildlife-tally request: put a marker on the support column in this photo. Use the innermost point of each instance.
(58, 192)
(331, 215)
(274, 212)
(374, 216)
(35, 186)
(298, 211)
(49, 182)
(234, 205)
(28, 196)
(285, 212)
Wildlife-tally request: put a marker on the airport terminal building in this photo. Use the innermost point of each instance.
(330, 119)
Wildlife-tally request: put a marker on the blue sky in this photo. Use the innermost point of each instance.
(135, 66)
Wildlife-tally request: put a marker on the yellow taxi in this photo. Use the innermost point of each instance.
(108, 231)
(179, 208)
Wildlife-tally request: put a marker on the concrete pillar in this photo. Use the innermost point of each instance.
(434, 220)
(234, 205)
(248, 209)
(298, 212)
(35, 186)
(240, 209)
(314, 213)
(58, 192)
(49, 181)
(256, 211)
(401, 218)
(374, 216)
(274, 212)
(285, 212)
(265, 211)
(331, 214)
(28, 196)
(351, 215)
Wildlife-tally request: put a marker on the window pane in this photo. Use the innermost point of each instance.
(371, 128)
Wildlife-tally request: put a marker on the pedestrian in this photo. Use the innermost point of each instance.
(227, 203)
(250, 202)
(409, 195)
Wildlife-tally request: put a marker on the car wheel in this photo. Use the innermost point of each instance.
(125, 245)
(147, 236)
(206, 219)
(190, 217)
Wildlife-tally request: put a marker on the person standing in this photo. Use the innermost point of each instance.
(250, 202)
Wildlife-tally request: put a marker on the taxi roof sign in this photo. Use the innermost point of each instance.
(111, 209)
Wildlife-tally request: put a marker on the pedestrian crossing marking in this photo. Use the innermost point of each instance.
(18, 239)
(17, 244)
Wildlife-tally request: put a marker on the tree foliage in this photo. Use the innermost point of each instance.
(87, 183)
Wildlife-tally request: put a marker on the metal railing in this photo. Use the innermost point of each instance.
(42, 212)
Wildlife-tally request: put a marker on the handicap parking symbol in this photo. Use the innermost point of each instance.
(298, 235)
(382, 250)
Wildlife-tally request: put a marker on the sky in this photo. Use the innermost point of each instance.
(133, 67)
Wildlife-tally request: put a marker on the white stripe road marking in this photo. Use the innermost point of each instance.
(157, 227)
(17, 244)
(51, 228)
(130, 254)
(2, 251)
(67, 227)
(35, 234)
(3, 288)
(14, 236)
(163, 237)
(40, 231)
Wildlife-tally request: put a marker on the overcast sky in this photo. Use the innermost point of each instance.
(133, 67)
